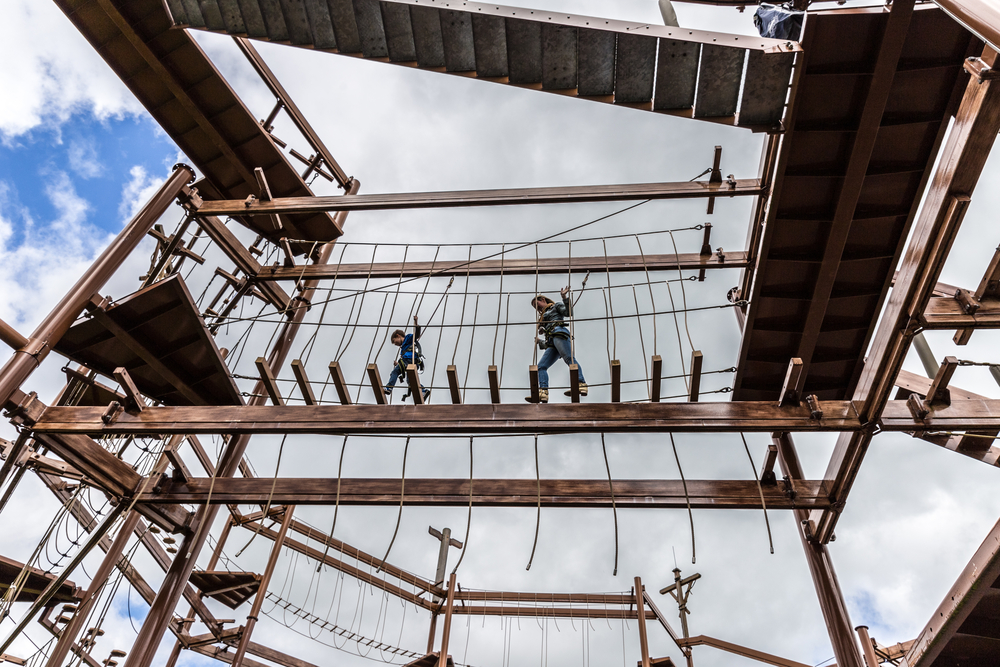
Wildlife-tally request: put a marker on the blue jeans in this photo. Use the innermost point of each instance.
(561, 350)
(393, 377)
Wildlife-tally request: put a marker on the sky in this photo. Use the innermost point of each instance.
(78, 156)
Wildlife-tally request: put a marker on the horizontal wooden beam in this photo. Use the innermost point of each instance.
(744, 416)
(948, 313)
(702, 494)
(509, 267)
(749, 187)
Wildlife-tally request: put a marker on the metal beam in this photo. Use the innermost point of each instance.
(489, 267)
(746, 416)
(880, 84)
(748, 187)
(960, 163)
(703, 494)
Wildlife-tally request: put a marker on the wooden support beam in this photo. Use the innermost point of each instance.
(745, 416)
(641, 613)
(299, 371)
(267, 379)
(767, 475)
(702, 494)
(533, 383)
(456, 393)
(446, 631)
(749, 187)
(696, 362)
(574, 383)
(949, 313)
(960, 164)
(148, 356)
(376, 384)
(490, 267)
(340, 383)
(989, 287)
(134, 400)
(413, 380)
(616, 381)
(938, 392)
(494, 378)
(654, 392)
(791, 389)
(241, 257)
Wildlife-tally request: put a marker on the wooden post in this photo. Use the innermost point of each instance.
(494, 384)
(376, 383)
(574, 383)
(696, 359)
(446, 630)
(791, 390)
(299, 370)
(413, 379)
(338, 381)
(456, 393)
(135, 400)
(258, 601)
(654, 393)
(641, 611)
(533, 383)
(175, 581)
(616, 381)
(267, 379)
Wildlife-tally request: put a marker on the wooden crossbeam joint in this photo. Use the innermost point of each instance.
(134, 402)
(791, 390)
(938, 394)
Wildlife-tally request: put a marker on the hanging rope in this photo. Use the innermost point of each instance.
(336, 504)
(538, 517)
(468, 521)
(687, 498)
(399, 517)
(760, 490)
(270, 496)
(614, 507)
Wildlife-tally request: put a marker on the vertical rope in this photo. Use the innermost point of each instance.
(437, 349)
(614, 507)
(642, 343)
(399, 517)
(760, 490)
(538, 516)
(687, 498)
(503, 348)
(468, 521)
(360, 306)
(496, 332)
(534, 346)
(569, 282)
(472, 341)
(611, 303)
(336, 504)
(652, 301)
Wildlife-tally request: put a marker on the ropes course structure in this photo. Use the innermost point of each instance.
(268, 328)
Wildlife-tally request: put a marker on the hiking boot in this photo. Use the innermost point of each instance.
(543, 396)
(388, 391)
(583, 390)
(427, 393)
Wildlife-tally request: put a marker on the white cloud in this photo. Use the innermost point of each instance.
(139, 188)
(51, 72)
(83, 158)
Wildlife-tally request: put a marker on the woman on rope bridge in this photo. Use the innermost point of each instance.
(409, 353)
(556, 343)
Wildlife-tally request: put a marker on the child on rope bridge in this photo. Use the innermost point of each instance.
(556, 342)
(409, 353)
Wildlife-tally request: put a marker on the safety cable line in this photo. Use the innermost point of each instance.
(683, 292)
(652, 301)
(472, 340)
(496, 333)
(360, 305)
(760, 490)
(270, 496)
(336, 504)
(461, 319)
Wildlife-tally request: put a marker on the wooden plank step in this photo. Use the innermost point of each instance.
(719, 81)
(459, 47)
(398, 32)
(427, 36)
(676, 74)
(634, 69)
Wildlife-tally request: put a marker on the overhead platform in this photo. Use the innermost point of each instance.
(180, 87)
(230, 588)
(870, 113)
(157, 335)
(657, 68)
(36, 582)
(964, 630)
